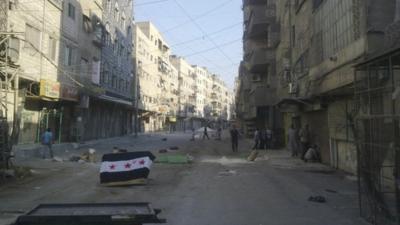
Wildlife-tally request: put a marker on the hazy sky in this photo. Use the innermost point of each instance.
(205, 32)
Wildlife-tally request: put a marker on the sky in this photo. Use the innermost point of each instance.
(205, 32)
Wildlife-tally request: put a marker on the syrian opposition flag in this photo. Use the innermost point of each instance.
(125, 168)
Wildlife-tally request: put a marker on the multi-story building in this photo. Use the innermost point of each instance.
(321, 44)
(257, 89)
(157, 81)
(32, 49)
(321, 41)
(187, 96)
(115, 106)
(80, 50)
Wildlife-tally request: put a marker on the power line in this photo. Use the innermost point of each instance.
(202, 30)
(197, 17)
(202, 37)
(151, 3)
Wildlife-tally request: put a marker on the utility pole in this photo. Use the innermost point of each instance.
(137, 95)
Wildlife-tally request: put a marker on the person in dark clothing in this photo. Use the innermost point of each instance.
(234, 138)
(205, 133)
(268, 138)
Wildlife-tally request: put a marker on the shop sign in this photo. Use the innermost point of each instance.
(50, 89)
(172, 119)
(70, 93)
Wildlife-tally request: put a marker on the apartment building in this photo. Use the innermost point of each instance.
(33, 67)
(116, 75)
(187, 96)
(321, 42)
(65, 65)
(322, 45)
(257, 76)
(157, 81)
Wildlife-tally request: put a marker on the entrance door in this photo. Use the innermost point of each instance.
(50, 118)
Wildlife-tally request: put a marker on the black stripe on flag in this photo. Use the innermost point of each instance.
(124, 176)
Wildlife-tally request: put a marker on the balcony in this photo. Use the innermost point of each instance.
(260, 22)
(260, 60)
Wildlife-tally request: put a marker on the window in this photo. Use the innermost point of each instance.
(52, 48)
(71, 11)
(108, 6)
(67, 56)
(86, 24)
(32, 37)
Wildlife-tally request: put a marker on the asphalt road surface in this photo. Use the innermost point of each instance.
(218, 188)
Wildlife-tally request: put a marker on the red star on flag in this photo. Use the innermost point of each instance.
(128, 165)
(142, 162)
(112, 167)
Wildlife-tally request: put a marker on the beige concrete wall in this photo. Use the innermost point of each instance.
(45, 17)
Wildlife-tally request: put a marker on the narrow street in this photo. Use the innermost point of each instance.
(218, 188)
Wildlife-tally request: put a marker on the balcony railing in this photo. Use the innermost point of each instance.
(260, 60)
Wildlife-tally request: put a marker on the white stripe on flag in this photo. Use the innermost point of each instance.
(128, 165)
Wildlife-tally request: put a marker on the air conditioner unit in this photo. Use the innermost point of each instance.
(293, 88)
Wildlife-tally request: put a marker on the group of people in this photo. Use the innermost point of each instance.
(262, 139)
(299, 143)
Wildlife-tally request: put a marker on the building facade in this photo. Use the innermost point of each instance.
(321, 41)
(257, 75)
(61, 53)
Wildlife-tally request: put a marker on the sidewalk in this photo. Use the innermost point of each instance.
(36, 150)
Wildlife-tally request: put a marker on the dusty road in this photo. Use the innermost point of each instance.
(218, 188)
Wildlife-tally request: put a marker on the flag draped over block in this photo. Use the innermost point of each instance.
(125, 168)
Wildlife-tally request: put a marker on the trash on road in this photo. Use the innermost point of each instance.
(57, 159)
(227, 173)
(162, 151)
(319, 199)
(173, 159)
(130, 168)
(331, 191)
(88, 156)
(74, 158)
(253, 155)
(225, 161)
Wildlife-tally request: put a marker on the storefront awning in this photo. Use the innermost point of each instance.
(294, 101)
(115, 100)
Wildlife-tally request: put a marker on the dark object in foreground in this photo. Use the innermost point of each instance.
(319, 199)
(91, 214)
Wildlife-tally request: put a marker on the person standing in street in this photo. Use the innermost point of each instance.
(205, 133)
(256, 139)
(268, 138)
(293, 141)
(47, 140)
(304, 140)
(234, 138)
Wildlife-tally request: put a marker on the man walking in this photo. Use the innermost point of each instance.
(256, 139)
(234, 138)
(205, 133)
(47, 140)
